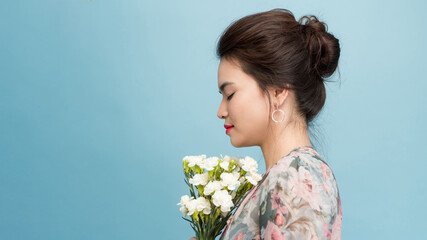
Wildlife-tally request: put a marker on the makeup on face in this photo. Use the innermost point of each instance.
(228, 128)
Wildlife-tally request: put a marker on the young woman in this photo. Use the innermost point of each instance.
(271, 75)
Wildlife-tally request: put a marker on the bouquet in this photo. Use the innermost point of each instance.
(217, 187)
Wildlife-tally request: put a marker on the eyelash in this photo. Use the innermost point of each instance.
(229, 97)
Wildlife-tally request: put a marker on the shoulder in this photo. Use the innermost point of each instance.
(302, 164)
(300, 199)
(305, 175)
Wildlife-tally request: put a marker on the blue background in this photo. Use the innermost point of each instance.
(100, 100)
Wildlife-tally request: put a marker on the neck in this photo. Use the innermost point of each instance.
(279, 145)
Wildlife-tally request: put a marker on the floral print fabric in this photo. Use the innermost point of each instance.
(297, 198)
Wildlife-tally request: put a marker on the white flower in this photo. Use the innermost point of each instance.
(200, 179)
(226, 162)
(193, 160)
(210, 163)
(253, 178)
(257, 177)
(191, 206)
(183, 210)
(203, 205)
(225, 165)
(248, 164)
(200, 204)
(230, 180)
(211, 187)
(184, 200)
(222, 199)
(252, 181)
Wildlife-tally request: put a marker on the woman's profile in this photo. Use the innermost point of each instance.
(271, 76)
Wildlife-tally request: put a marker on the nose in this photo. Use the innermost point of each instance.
(222, 111)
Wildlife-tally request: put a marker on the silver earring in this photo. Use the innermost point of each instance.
(280, 110)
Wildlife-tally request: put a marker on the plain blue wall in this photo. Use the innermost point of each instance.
(101, 99)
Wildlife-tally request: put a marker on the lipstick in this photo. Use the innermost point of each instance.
(228, 127)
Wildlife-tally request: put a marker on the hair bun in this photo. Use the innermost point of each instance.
(323, 47)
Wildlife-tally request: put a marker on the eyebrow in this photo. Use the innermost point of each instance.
(221, 88)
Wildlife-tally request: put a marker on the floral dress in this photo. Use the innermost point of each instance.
(297, 198)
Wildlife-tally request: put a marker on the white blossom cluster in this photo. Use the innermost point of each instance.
(218, 192)
(189, 205)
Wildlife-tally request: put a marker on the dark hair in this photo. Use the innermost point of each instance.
(277, 50)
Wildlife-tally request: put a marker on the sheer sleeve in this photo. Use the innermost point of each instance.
(301, 202)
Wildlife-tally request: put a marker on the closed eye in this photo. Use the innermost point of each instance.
(229, 97)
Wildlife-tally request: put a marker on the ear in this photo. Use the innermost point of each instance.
(279, 96)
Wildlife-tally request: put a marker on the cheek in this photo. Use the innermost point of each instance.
(258, 116)
(249, 112)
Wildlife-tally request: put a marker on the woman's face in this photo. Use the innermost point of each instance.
(243, 105)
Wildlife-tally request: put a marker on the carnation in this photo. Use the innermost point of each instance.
(222, 199)
(211, 187)
(193, 160)
(191, 206)
(203, 205)
(184, 200)
(230, 180)
(210, 163)
(254, 178)
(248, 164)
(225, 165)
(200, 179)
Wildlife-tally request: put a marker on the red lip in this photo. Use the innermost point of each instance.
(228, 127)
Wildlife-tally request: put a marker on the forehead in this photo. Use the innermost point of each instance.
(229, 74)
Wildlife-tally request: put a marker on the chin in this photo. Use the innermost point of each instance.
(234, 143)
(239, 144)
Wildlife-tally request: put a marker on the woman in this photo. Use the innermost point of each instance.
(271, 76)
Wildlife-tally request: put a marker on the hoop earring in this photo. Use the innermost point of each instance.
(280, 110)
